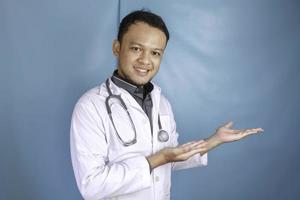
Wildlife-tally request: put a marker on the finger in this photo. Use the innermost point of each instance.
(195, 144)
(257, 130)
(189, 147)
(184, 153)
(201, 141)
(179, 151)
(191, 153)
(201, 145)
(260, 129)
(252, 131)
(187, 144)
(235, 131)
(229, 124)
(198, 142)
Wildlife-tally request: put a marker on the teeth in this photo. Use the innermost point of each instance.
(141, 70)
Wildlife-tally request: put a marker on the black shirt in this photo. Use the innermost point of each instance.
(140, 93)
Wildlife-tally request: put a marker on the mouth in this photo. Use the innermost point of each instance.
(141, 71)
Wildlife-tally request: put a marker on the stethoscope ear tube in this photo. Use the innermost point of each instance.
(118, 97)
(159, 123)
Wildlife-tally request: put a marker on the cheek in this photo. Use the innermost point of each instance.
(156, 63)
(130, 57)
(124, 59)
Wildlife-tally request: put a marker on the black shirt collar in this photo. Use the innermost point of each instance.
(138, 91)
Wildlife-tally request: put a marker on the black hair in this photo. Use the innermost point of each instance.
(145, 16)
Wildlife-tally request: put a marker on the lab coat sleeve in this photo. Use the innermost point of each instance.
(96, 177)
(194, 161)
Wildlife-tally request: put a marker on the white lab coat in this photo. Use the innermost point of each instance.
(103, 167)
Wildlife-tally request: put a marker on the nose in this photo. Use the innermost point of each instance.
(144, 58)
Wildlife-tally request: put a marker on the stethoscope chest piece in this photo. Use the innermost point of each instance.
(162, 135)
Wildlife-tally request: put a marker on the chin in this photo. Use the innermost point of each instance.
(140, 82)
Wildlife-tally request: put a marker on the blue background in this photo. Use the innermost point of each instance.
(226, 60)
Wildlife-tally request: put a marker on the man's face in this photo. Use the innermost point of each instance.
(140, 52)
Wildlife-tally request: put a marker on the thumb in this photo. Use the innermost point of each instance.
(229, 124)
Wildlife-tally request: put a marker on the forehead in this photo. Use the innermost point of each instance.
(146, 35)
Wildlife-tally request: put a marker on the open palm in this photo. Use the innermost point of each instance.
(226, 133)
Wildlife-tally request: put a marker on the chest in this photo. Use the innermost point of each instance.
(130, 132)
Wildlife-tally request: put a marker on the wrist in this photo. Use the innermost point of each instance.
(156, 160)
(213, 141)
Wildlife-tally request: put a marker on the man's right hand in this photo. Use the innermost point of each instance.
(175, 154)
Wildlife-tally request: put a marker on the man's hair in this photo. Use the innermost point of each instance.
(142, 16)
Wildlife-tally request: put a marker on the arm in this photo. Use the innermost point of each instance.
(223, 134)
(175, 154)
(95, 175)
(226, 134)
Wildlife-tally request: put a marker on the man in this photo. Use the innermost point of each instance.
(123, 133)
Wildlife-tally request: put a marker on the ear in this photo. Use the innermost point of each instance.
(116, 47)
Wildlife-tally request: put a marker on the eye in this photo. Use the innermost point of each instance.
(156, 53)
(136, 49)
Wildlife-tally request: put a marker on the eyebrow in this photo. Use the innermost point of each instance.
(136, 43)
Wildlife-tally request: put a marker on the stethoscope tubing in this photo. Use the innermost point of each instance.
(163, 135)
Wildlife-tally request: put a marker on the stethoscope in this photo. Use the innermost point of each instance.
(162, 135)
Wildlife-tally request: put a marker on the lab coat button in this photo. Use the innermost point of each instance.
(156, 178)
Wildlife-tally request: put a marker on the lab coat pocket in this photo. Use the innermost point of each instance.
(165, 184)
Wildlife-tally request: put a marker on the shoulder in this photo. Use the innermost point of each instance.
(88, 95)
(91, 99)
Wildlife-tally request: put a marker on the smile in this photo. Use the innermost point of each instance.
(141, 71)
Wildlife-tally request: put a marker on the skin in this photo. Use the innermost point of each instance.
(223, 134)
(139, 56)
(139, 53)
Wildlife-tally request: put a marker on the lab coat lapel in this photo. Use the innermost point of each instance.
(127, 98)
(155, 95)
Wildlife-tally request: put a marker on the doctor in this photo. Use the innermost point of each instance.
(123, 133)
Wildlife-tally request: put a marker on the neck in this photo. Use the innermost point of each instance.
(119, 75)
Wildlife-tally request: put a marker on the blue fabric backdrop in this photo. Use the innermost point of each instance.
(226, 60)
